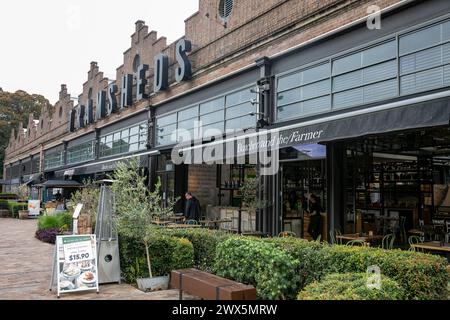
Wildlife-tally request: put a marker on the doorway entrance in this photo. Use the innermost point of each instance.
(303, 173)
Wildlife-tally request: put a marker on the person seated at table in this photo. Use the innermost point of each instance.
(192, 208)
(314, 228)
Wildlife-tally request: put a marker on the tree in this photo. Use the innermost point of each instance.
(136, 206)
(16, 108)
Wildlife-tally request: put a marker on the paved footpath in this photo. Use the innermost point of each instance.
(26, 267)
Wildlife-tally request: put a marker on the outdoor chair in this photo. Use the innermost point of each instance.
(286, 234)
(356, 243)
(192, 222)
(388, 241)
(413, 240)
(403, 235)
(334, 236)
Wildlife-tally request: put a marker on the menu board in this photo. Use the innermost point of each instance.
(76, 263)
(34, 207)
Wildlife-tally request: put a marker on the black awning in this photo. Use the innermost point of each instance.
(60, 184)
(376, 120)
(422, 115)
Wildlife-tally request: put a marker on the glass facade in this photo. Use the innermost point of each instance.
(410, 63)
(228, 112)
(81, 153)
(127, 140)
(54, 160)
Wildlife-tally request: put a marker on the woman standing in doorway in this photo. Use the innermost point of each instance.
(314, 228)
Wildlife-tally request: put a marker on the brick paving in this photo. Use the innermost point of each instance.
(26, 265)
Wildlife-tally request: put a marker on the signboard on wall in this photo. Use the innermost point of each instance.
(76, 259)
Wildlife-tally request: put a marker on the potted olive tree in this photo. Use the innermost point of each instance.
(136, 209)
(250, 200)
(23, 194)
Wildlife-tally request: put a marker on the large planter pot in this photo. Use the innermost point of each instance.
(153, 284)
(23, 214)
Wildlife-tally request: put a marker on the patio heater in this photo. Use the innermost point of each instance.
(107, 237)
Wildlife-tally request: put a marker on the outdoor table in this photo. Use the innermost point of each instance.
(183, 226)
(161, 223)
(355, 236)
(416, 232)
(177, 219)
(215, 222)
(432, 246)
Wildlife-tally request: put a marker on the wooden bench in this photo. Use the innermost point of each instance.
(209, 287)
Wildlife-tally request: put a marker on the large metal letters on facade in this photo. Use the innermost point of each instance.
(106, 102)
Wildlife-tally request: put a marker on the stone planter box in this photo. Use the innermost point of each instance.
(153, 284)
(5, 214)
(23, 214)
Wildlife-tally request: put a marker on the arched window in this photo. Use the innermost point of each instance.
(136, 63)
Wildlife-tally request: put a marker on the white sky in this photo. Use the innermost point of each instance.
(49, 42)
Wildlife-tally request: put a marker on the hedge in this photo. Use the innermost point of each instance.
(273, 272)
(8, 196)
(15, 207)
(62, 221)
(352, 286)
(422, 276)
(205, 242)
(166, 254)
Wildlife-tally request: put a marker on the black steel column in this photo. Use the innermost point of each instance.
(336, 186)
(151, 143)
(269, 218)
(97, 144)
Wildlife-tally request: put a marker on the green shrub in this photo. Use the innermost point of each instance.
(204, 241)
(351, 286)
(308, 253)
(3, 204)
(6, 213)
(61, 221)
(15, 207)
(166, 254)
(273, 272)
(422, 276)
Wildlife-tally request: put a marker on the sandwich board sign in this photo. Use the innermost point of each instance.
(34, 208)
(76, 264)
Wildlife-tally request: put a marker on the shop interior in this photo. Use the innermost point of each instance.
(399, 184)
(303, 173)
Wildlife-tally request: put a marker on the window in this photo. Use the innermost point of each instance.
(54, 160)
(81, 153)
(425, 59)
(304, 92)
(127, 140)
(225, 8)
(136, 63)
(230, 111)
(365, 76)
(414, 62)
(239, 106)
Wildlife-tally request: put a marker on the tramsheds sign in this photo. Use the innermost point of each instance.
(106, 100)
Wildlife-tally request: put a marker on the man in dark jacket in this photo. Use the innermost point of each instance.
(192, 209)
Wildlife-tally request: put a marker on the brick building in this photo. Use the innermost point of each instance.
(350, 101)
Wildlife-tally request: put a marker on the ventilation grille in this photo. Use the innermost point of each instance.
(225, 8)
